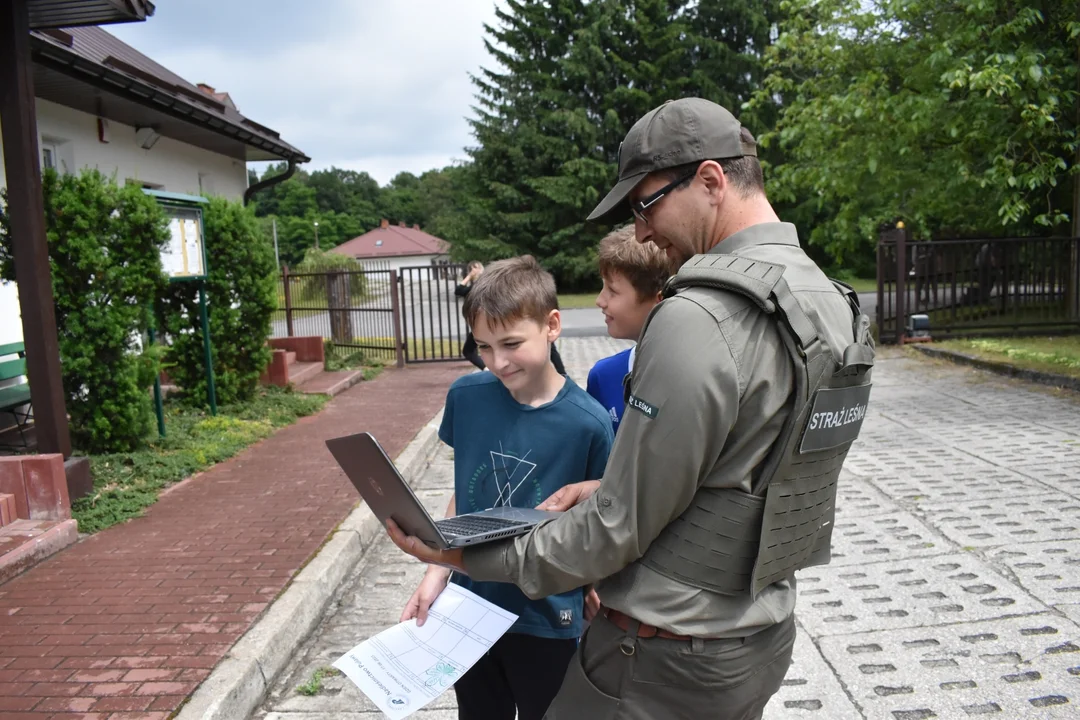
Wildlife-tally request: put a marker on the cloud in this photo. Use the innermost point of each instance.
(375, 86)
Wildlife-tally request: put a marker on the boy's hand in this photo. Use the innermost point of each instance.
(427, 591)
(592, 604)
(569, 496)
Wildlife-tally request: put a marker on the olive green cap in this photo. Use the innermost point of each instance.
(677, 132)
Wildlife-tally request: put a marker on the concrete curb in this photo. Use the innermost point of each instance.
(1035, 376)
(241, 680)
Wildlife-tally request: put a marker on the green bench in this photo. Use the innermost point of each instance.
(15, 397)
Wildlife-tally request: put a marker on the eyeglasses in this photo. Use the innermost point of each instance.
(638, 207)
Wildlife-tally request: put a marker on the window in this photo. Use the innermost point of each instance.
(48, 156)
(143, 184)
(56, 154)
(378, 243)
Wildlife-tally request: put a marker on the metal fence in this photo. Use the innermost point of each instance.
(432, 325)
(999, 286)
(354, 310)
(409, 314)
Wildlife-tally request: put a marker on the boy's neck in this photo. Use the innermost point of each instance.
(543, 391)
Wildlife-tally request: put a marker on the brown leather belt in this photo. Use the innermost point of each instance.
(622, 621)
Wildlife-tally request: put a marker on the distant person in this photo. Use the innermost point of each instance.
(520, 433)
(634, 275)
(468, 349)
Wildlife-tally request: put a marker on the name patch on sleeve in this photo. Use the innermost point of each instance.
(643, 406)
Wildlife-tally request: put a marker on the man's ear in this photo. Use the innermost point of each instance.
(713, 179)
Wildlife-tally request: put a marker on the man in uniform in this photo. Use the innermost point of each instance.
(750, 382)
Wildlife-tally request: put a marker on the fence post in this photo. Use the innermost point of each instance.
(1072, 290)
(901, 282)
(395, 306)
(879, 311)
(288, 300)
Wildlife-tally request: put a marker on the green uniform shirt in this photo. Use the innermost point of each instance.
(711, 388)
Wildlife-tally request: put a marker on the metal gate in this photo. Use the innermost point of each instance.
(996, 286)
(433, 329)
(354, 311)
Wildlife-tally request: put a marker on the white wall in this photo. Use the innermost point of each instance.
(172, 165)
(396, 263)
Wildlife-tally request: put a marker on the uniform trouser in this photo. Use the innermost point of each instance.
(616, 675)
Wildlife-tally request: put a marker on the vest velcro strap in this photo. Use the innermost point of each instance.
(754, 279)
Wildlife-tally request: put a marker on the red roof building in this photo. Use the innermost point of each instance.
(395, 241)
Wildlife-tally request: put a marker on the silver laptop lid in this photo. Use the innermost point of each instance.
(386, 492)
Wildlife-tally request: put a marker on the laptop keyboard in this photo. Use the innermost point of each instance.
(465, 525)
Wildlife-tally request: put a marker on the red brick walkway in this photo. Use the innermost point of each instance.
(127, 623)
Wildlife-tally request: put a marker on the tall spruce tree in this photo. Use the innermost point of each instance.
(573, 77)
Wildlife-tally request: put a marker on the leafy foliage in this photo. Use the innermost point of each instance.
(348, 280)
(957, 116)
(105, 242)
(241, 296)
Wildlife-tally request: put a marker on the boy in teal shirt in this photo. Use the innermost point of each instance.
(520, 433)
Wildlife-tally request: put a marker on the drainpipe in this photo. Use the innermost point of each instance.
(270, 181)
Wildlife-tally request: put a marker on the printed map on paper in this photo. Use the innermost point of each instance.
(405, 667)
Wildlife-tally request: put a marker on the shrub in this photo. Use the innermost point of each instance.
(105, 246)
(240, 297)
(317, 290)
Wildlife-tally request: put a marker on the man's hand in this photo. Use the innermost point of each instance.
(427, 591)
(415, 546)
(569, 496)
(592, 604)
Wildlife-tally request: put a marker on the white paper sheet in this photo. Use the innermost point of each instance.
(405, 667)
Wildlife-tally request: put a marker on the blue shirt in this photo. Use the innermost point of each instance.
(606, 384)
(507, 453)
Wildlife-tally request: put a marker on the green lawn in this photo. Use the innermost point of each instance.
(580, 300)
(1059, 355)
(381, 348)
(863, 285)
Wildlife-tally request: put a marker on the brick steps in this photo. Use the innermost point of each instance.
(24, 543)
(7, 510)
(331, 383)
(301, 372)
(35, 512)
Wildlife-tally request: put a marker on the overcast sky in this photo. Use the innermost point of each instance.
(375, 85)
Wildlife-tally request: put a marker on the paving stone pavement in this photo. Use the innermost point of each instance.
(954, 589)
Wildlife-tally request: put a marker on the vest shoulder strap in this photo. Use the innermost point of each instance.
(760, 281)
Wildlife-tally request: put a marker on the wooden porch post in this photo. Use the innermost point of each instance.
(27, 223)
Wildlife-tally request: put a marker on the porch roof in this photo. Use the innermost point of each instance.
(71, 13)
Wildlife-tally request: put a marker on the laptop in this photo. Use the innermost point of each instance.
(388, 495)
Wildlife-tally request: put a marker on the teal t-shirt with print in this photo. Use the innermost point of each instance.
(507, 453)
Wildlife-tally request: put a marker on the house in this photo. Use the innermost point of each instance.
(102, 104)
(396, 246)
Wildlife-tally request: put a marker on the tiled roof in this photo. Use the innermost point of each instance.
(393, 241)
(90, 53)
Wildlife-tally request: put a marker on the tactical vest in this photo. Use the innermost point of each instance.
(731, 542)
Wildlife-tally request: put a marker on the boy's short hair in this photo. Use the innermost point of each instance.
(644, 265)
(511, 290)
